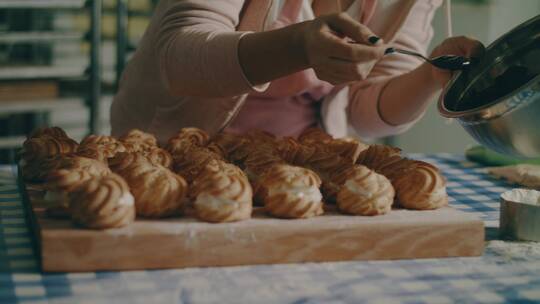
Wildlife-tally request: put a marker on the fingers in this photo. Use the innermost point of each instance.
(338, 48)
(463, 46)
(346, 25)
(337, 71)
(468, 46)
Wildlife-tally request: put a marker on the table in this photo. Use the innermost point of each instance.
(507, 272)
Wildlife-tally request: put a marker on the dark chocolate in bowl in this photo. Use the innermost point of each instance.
(512, 79)
(497, 99)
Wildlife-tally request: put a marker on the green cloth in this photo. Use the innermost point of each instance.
(488, 157)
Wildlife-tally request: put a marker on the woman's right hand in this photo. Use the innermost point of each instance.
(339, 48)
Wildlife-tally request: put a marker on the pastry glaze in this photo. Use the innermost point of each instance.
(314, 135)
(37, 171)
(107, 144)
(92, 166)
(421, 188)
(347, 148)
(233, 147)
(196, 136)
(222, 196)
(39, 148)
(185, 139)
(291, 192)
(102, 203)
(158, 192)
(259, 161)
(55, 132)
(365, 192)
(63, 181)
(137, 141)
(418, 185)
(158, 156)
(122, 162)
(94, 152)
(376, 155)
(193, 161)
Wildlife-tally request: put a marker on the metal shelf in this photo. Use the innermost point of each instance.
(41, 4)
(40, 72)
(45, 105)
(18, 37)
(11, 142)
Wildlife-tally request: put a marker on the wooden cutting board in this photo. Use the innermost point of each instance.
(186, 242)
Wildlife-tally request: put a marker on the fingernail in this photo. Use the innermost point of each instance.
(373, 39)
(389, 50)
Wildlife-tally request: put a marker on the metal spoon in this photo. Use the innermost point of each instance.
(445, 62)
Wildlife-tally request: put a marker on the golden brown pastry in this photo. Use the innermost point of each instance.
(233, 147)
(314, 135)
(377, 155)
(39, 148)
(326, 163)
(102, 203)
(291, 192)
(295, 153)
(158, 192)
(191, 163)
(138, 141)
(259, 161)
(217, 165)
(158, 156)
(185, 138)
(318, 158)
(108, 144)
(92, 166)
(349, 149)
(123, 161)
(365, 192)
(94, 152)
(259, 137)
(194, 135)
(55, 132)
(36, 171)
(396, 166)
(63, 181)
(418, 185)
(421, 188)
(222, 196)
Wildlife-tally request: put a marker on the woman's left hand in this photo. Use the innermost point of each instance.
(461, 46)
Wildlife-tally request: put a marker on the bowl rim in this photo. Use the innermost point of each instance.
(445, 112)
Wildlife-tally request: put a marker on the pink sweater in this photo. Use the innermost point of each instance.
(186, 72)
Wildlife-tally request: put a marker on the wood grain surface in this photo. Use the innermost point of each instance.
(186, 242)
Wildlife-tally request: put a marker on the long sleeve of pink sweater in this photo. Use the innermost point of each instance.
(186, 71)
(364, 96)
(197, 47)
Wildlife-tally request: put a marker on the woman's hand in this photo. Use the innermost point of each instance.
(461, 46)
(339, 48)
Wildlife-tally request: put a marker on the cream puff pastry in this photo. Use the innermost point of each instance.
(102, 202)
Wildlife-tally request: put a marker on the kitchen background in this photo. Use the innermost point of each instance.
(45, 70)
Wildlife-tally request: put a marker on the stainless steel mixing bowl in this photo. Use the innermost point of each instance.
(508, 123)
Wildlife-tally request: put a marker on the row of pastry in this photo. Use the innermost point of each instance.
(104, 182)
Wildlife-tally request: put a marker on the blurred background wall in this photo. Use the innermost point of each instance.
(44, 64)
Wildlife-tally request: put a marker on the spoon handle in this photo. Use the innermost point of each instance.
(446, 62)
(394, 50)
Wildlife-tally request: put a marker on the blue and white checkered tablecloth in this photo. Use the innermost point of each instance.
(507, 272)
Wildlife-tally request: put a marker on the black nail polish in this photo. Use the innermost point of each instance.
(389, 51)
(373, 39)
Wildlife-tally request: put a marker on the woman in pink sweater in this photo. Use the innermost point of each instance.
(283, 66)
